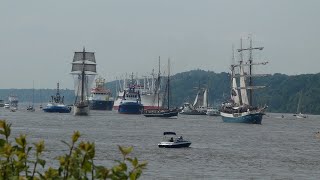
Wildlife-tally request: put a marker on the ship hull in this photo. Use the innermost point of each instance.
(130, 108)
(148, 100)
(57, 109)
(101, 105)
(249, 118)
(193, 113)
(81, 110)
(167, 113)
(174, 145)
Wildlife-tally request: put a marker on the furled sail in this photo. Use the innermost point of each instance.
(77, 67)
(235, 92)
(196, 100)
(205, 98)
(80, 56)
(84, 61)
(243, 90)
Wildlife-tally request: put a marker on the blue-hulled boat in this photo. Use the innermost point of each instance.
(56, 104)
(234, 115)
(240, 109)
(131, 102)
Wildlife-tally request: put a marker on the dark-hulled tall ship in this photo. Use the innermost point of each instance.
(100, 97)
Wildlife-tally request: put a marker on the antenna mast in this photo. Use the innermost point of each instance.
(168, 84)
(158, 86)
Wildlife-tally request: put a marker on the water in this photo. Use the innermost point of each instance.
(280, 148)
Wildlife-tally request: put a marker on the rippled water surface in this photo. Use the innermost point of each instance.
(280, 148)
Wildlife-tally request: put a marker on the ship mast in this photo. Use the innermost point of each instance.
(250, 49)
(168, 81)
(158, 86)
(83, 73)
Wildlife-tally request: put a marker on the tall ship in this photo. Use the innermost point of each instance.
(56, 104)
(148, 89)
(131, 101)
(240, 108)
(83, 71)
(161, 111)
(100, 97)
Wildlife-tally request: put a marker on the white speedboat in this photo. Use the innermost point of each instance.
(170, 140)
(300, 115)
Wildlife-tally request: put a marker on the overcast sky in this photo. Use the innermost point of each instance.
(38, 37)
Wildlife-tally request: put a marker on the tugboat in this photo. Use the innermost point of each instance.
(100, 98)
(170, 140)
(131, 101)
(56, 104)
(241, 109)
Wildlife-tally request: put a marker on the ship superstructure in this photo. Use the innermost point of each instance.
(148, 88)
(100, 97)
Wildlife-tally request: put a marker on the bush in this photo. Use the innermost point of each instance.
(16, 160)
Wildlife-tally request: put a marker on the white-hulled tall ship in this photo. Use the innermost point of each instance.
(100, 98)
(84, 71)
(240, 108)
(149, 92)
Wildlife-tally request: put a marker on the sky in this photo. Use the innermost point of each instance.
(38, 37)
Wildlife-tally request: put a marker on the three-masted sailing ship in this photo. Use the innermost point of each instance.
(83, 70)
(240, 108)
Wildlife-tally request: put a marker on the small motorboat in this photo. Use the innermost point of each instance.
(7, 105)
(300, 115)
(170, 140)
(13, 109)
(30, 109)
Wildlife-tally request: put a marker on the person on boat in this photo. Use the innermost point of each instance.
(171, 139)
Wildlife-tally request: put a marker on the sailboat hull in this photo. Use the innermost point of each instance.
(164, 113)
(249, 118)
(81, 110)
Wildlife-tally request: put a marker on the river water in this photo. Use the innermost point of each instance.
(280, 148)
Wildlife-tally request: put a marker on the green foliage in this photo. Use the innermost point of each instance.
(77, 164)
